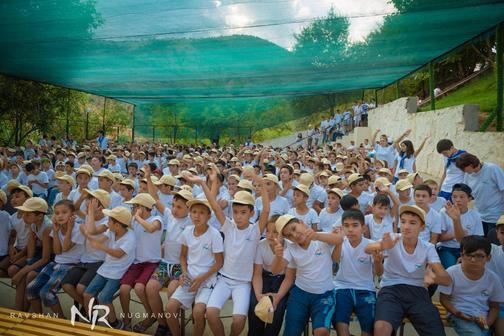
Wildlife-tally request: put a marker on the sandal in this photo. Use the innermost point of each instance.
(141, 327)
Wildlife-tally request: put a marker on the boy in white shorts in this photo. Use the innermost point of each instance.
(240, 240)
(201, 257)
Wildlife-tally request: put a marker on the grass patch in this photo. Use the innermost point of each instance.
(481, 91)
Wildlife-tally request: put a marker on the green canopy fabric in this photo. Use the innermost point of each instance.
(202, 51)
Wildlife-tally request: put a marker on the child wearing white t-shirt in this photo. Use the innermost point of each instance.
(411, 265)
(496, 264)
(5, 235)
(432, 229)
(240, 244)
(68, 245)
(312, 254)
(119, 244)
(330, 216)
(201, 257)
(457, 221)
(472, 300)
(148, 230)
(381, 219)
(437, 203)
(176, 219)
(355, 289)
(301, 210)
(264, 282)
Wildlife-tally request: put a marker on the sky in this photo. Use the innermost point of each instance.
(274, 20)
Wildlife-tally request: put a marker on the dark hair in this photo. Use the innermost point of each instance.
(444, 144)
(348, 201)
(69, 204)
(101, 159)
(353, 214)
(273, 218)
(381, 200)
(29, 167)
(424, 187)
(472, 243)
(289, 168)
(133, 164)
(152, 166)
(410, 150)
(466, 160)
(178, 197)
(16, 190)
(124, 226)
(70, 163)
(464, 188)
(367, 174)
(250, 207)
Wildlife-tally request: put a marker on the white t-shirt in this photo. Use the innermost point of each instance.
(432, 225)
(488, 191)
(317, 193)
(385, 154)
(22, 230)
(409, 162)
(472, 296)
(365, 199)
(200, 250)
(328, 221)
(376, 230)
(112, 267)
(5, 229)
(314, 266)
(115, 200)
(174, 229)
(310, 218)
(166, 199)
(471, 223)
(355, 267)
(400, 267)
(92, 255)
(239, 250)
(264, 255)
(41, 177)
(438, 204)
(148, 245)
(59, 197)
(289, 194)
(278, 206)
(452, 177)
(74, 254)
(496, 263)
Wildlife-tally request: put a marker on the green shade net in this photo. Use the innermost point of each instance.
(233, 60)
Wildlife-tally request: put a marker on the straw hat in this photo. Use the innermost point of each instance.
(143, 199)
(107, 174)
(282, 221)
(354, 178)
(128, 182)
(304, 189)
(403, 185)
(336, 191)
(167, 180)
(199, 201)
(244, 198)
(34, 204)
(101, 195)
(120, 214)
(185, 194)
(245, 184)
(306, 179)
(3, 197)
(67, 178)
(414, 209)
(264, 309)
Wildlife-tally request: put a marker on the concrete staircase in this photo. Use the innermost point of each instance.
(358, 135)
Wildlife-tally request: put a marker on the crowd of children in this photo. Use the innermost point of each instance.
(290, 236)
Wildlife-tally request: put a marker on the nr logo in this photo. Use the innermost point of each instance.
(92, 313)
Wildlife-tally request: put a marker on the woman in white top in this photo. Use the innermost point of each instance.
(383, 151)
(406, 154)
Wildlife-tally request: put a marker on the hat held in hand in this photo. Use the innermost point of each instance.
(264, 310)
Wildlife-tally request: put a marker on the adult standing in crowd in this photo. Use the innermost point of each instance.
(102, 140)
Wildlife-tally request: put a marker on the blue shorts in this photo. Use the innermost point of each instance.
(361, 301)
(47, 283)
(33, 260)
(302, 305)
(105, 287)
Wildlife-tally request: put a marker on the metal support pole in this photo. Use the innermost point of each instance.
(153, 133)
(117, 139)
(87, 123)
(397, 90)
(376, 98)
(431, 86)
(499, 41)
(68, 114)
(133, 125)
(104, 107)
(196, 136)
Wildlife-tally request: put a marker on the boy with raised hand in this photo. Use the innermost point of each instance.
(473, 297)
(411, 265)
(176, 219)
(496, 264)
(119, 245)
(457, 221)
(312, 254)
(355, 289)
(240, 243)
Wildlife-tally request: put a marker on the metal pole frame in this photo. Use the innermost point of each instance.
(499, 39)
(431, 86)
(104, 107)
(133, 124)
